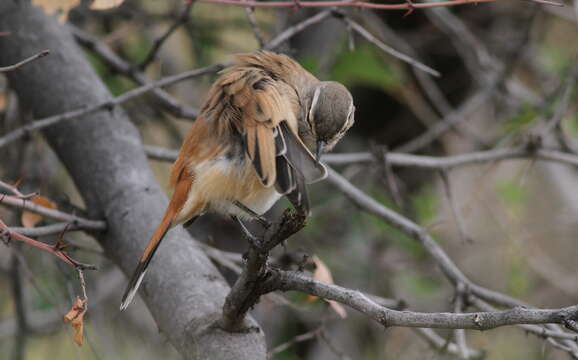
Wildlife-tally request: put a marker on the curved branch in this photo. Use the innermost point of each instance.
(291, 280)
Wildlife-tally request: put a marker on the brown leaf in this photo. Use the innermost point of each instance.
(105, 4)
(76, 318)
(322, 273)
(29, 219)
(61, 7)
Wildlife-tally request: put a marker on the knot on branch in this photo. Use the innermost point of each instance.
(253, 281)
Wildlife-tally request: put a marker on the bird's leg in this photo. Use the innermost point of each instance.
(252, 239)
(263, 221)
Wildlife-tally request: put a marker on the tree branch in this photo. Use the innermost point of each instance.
(24, 62)
(291, 280)
(103, 154)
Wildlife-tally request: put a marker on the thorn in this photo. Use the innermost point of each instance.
(410, 8)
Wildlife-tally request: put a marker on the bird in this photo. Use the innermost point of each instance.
(259, 135)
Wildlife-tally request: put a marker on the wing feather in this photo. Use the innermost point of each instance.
(264, 111)
(300, 157)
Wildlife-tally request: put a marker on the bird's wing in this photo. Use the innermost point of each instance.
(261, 109)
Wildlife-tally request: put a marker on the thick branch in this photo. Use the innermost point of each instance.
(103, 154)
(248, 288)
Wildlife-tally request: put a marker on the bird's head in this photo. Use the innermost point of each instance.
(330, 114)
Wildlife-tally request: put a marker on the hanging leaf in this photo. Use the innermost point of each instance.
(60, 7)
(29, 219)
(322, 273)
(76, 318)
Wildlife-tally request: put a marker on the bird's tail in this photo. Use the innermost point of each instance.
(145, 259)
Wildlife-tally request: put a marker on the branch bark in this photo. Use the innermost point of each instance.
(104, 156)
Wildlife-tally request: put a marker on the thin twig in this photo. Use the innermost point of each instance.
(14, 190)
(459, 334)
(360, 4)
(57, 250)
(454, 207)
(18, 65)
(440, 344)
(292, 280)
(116, 63)
(52, 229)
(86, 224)
(296, 29)
(158, 43)
(421, 161)
(77, 113)
(250, 12)
(388, 49)
(309, 335)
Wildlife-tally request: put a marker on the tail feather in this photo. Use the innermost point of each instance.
(144, 261)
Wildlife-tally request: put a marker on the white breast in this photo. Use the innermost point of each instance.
(220, 182)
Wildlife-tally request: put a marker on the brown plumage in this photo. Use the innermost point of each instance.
(245, 146)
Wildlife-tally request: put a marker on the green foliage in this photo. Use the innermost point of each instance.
(364, 66)
(556, 59)
(521, 121)
(425, 203)
(518, 279)
(115, 84)
(572, 126)
(513, 195)
(420, 285)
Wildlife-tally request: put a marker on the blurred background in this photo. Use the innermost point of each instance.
(504, 68)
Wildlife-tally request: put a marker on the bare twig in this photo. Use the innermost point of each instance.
(158, 43)
(291, 280)
(440, 344)
(388, 49)
(562, 107)
(309, 335)
(116, 63)
(18, 65)
(86, 224)
(421, 161)
(73, 114)
(250, 12)
(57, 250)
(52, 229)
(459, 334)
(14, 190)
(356, 3)
(322, 335)
(454, 207)
(296, 29)
(247, 289)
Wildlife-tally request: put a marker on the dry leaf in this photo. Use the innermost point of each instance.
(105, 4)
(76, 318)
(322, 273)
(61, 7)
(29, 219)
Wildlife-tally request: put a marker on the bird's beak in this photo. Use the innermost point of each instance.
(320, 146)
